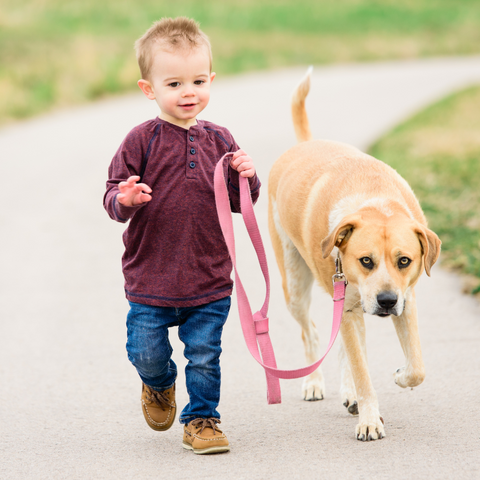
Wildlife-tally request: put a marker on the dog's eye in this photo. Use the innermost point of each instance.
(404, 262)
(367, 262)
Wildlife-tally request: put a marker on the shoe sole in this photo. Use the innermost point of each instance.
(203, 451)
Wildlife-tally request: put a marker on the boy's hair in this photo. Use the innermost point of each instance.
(172, 34)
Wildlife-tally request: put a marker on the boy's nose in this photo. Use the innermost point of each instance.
(188, 91)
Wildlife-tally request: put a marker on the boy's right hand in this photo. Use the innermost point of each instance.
(133, 193)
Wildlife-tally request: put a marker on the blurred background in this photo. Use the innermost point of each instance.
(69, 398)
(59, 53)
(62, 52)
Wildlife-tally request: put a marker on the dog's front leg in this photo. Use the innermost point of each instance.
(347, 386)
(370, 426)
(406, 325)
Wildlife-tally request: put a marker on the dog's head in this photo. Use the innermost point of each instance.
(383, 256)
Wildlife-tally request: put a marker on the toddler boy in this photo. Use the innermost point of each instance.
(176, 263)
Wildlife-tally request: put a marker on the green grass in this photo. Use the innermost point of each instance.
(438, 153)
(56, 53)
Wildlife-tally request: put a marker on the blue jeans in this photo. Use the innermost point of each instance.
(200, 329)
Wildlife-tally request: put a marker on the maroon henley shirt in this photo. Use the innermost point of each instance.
(175, 253)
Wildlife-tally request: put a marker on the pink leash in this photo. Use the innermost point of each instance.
(255, 326)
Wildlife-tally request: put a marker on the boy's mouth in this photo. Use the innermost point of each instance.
(188, 106)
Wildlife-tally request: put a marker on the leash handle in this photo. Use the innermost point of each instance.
(255, 326)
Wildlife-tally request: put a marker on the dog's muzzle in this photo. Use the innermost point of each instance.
(386, 302)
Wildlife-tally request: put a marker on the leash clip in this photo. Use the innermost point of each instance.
(339, 276)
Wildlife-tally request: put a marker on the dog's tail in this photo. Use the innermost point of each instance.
(299, 114)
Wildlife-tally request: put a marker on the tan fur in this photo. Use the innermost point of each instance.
(299, 114)
(326, 197)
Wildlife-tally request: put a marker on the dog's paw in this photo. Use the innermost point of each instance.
(349, 397)
(408, 378)
(370, 429)
(351, 406)
(313, 389)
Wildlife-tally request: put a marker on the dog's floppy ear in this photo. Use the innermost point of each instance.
(430, 246)
(340, 234)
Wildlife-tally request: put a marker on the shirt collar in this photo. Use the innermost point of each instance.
(197, 129)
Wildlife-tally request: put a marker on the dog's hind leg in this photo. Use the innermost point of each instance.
(348, 392)
(297, 282)
(348, 395)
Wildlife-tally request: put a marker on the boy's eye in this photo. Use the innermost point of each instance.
(174, 84)
(199, 82)
(404, 262)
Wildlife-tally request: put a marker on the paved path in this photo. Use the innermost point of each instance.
(69, 399)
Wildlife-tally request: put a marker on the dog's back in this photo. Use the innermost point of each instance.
(311, 163)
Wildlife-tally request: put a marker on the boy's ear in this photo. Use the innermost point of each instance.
(146, 88)
(212, 76)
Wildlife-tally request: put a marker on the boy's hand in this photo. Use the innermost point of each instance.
(133, 193)
(243, 164)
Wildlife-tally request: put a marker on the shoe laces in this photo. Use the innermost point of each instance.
(158, 398)
(207, 423)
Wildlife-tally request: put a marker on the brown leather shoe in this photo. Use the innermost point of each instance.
(203, 436)
(158, 408)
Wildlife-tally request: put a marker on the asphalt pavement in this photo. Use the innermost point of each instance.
(69, 398)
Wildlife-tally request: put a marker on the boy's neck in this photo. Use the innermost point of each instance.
(186, 124)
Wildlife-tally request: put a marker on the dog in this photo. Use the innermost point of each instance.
(326, 199)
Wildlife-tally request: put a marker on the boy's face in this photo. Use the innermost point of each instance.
(180, 84)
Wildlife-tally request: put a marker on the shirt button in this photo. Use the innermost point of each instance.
(191, 138)
(192, 164)
(192, 151)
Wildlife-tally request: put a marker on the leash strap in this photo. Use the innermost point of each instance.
(255, 326)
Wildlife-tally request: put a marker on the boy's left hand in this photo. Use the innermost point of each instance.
(243, 164)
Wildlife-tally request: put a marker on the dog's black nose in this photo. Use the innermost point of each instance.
(387, 300)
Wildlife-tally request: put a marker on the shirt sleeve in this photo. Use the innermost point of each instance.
(126, 162)
(234, 185)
